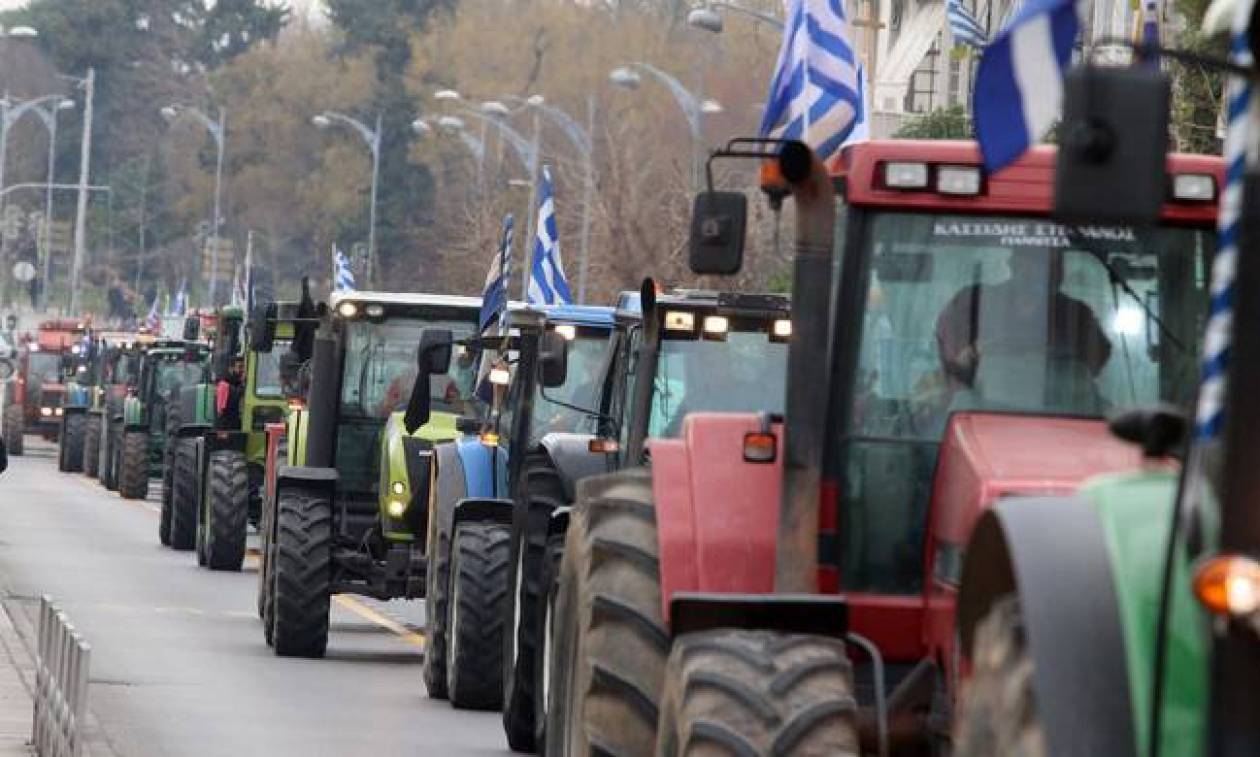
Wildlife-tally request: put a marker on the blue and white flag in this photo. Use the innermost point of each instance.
(547, 284)
(815, 92)
(964, 26)
(343, 277)
(153, 321)
(494, 296)
(181, 299)
(1019, 82)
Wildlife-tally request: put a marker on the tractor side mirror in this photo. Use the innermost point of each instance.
(1113, 145)
(553, 359)
(433, 357)
(718, 221)
(262, 327)
(192, 328)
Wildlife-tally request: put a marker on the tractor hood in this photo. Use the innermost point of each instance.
(985, 456)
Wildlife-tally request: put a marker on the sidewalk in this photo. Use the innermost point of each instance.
(17, 669)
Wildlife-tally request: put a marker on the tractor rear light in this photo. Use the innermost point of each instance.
(568, 331)
(296, 403)
(490, 439)
(781, 330)
(906, 175)
(1228, 585)
(680, 320)
(760, 447)
(396, 508)
(958, 180)
(603, 446)
(716, 326)
(1194, 187)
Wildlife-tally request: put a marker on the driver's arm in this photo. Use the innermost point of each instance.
(954, 338)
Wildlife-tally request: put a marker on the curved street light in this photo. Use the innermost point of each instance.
(707, 19)
(693, 107)
(217, 129)
(372, 137)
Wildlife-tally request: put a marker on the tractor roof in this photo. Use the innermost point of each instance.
(580, 315)
(737, 303)
(404, 298)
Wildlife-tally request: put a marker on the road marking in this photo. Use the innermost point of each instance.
(87, 483)
(363, 611)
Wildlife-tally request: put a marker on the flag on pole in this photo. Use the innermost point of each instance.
(494, 296)
(238, 288)
(247, 281)
(343, 277)
(1019, 81)
(547, 284)
(815, 92)
(153, 321)
(964, 26)
(181, 299)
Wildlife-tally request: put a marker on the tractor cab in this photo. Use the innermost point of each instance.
(34, 401)
(89, 372)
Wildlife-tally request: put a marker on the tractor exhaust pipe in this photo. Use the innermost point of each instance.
(796, 563)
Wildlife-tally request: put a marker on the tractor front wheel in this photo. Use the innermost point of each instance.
(998, 714)
(758, 692)
(227, 512)
(302, 571)
(92, 446)
(479, 589)
(113, 440)
(133, 467)
(184, 484)
(546, 638)
(73, 428)
(610, 646)
(14, 429)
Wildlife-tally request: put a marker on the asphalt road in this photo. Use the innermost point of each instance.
(179, 666)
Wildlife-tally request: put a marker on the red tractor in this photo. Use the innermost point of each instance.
(34, 399)
(787, 584)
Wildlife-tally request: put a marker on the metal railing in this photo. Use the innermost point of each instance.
(61, 684)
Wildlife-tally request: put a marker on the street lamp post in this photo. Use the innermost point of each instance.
(218, 131)
(709, 20)
(85, 168)
(373, 139)
(49, 117)
(693, 107)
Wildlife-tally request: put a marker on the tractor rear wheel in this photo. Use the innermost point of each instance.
(438, 579)
(168, 493)
(475, 625)
(113, 440)
(610, 645)
(184, 483)
(14, 429)
(227, 512)
(758, 692)
(545, 491)
(133, 467)
(998, 713)
(92, 446)
(73, 429)
(546, 638)
(303, 574)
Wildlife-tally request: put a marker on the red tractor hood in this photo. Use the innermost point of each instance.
(985, 456)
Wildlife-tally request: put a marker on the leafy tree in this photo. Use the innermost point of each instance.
(944, 123)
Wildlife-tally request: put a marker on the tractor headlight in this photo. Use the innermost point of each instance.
(567, 330)
(395, 508)
(347, 310)
(398, 488)
(58, 411)
(45, 411)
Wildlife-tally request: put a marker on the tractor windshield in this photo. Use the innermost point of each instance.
(588, 358)
(267, 382)
(380, 367)
(173, 372)
(45, 368)
(1002, 314)
(743, 372)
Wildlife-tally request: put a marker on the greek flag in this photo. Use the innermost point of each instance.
(494, 296)
(181, 299)
(1019, 81)
(343, 277)
(238, 289)
(153, 321)
(964, 26)
(815, 90)
(547, 285)
(1240, 106)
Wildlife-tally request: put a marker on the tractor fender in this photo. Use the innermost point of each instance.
(190, 430)
(475, 463)
(221, 441)
(572, 456)
(1052, 552)
(717, 516)
(482, 511)
(323, 480)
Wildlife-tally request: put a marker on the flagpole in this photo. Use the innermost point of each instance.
(532, 218)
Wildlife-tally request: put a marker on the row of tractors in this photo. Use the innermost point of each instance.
(888, 515)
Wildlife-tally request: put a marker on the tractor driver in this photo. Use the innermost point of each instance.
(1026, 314)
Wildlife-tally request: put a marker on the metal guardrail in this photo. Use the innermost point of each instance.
(61, 684)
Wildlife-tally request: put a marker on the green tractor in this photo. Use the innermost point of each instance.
(138, 443)
(113, 363)
(79, 381)
(219, 445)
(347, 487)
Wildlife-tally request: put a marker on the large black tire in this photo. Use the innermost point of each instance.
(168, 493)
(113, 440)
(184, 483)
(610, 644)
(92, 446)
(266, 533)
(545, 492)
(73, 431)
(14, 429)
(479, 589)
(303, 574)
(998, 713)
(133, 465)
(757, 692)
(546, 637)
(227, 510)
(438, 580)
